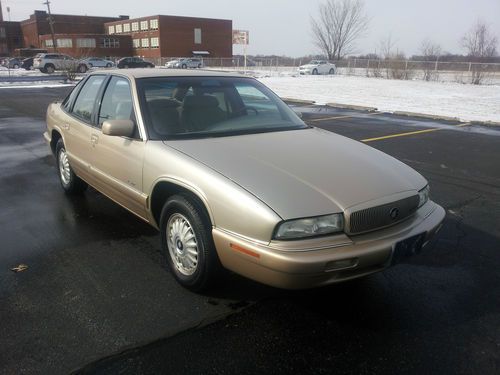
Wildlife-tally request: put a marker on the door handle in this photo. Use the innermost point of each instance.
(94, 139)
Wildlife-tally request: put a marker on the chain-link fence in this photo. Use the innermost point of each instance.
(462, 72)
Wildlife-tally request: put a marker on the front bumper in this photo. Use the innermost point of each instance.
(322, 261)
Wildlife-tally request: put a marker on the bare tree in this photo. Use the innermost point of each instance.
(431, 52)
(481, 45)
(340, 24)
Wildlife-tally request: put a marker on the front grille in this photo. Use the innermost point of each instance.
(378, 217)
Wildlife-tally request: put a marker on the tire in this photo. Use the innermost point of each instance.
(184, 66)
(125, 66)
(43, 70)
(332, 71)
(70, 182)
(108, 65)
(16, 66)
(199, 66)
(184, 221)
(315, 72)
(82, 68)
(49, 68)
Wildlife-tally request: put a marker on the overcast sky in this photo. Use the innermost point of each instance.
(282, 27)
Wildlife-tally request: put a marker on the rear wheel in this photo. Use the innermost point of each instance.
(82, 68)
(108, 65)
(49, 68)
(16, 66)
(187, 242)
(315, 72)
(184, 66)
(332, 71)
(125, 66)
(70, 182)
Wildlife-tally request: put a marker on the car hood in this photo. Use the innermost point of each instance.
(304, 173)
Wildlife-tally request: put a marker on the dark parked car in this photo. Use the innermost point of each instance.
(27, 63)
(133, 62)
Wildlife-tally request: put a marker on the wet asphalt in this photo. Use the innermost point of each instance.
(96, 297)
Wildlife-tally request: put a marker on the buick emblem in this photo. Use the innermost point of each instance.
(394, 213)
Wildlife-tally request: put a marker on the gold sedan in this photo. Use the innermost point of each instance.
(234, 179)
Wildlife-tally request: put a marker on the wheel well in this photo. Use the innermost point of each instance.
(53, 140)
(164, 190)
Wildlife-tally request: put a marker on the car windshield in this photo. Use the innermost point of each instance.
(314, 62)
(200, 107)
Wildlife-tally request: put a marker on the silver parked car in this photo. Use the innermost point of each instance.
(186, 63)
(97, 62)
(233, 178)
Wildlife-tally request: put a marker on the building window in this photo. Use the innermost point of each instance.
(153, 24)
(135, 26)
(2, 32)
(155, 42)
(110, 43)
(118, 29)
(126, 27)
(145, 43)
(197, 36)
(111, 29)
(64, 43)
(144, 25)
(85, 43)
(136, 43)
(49, 43)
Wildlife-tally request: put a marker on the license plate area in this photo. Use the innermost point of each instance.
(407, 248)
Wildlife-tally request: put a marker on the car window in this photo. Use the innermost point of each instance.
(84, 104)
(71, 97)
(196, 107)
(117, 102)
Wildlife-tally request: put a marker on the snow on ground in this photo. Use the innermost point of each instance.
(467, 102)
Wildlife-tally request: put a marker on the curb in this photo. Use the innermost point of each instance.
(485, 123)
(352, 106)
(297, 101)
(426, 116)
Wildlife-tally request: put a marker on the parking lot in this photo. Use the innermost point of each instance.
(96, 296)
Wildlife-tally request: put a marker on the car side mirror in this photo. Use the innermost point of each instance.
(298, 113)
(118, 128)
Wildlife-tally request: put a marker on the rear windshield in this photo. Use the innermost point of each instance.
(198, 107)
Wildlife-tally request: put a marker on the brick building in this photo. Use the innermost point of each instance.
(38, 24)
(10, 37)
(150, 37)
(85, 45)
(173, 36)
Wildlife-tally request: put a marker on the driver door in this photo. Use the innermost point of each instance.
(117, 161)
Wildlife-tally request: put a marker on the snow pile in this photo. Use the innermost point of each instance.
(467, 102)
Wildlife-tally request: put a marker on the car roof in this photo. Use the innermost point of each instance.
(159, 72)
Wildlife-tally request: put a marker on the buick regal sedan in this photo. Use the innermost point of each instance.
(234, 179)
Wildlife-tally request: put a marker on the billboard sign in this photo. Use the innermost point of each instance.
(241, 37)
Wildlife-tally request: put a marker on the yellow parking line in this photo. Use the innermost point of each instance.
(340, 117)
(411, 133)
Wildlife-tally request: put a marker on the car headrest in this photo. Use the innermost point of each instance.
(200, 101)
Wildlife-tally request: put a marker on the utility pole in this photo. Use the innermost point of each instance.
(51, 24)
(1, 15)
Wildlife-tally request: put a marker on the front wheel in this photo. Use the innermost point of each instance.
(315, 72)
(70, 182)
(82, 68)
(332, 71)
(187, 242)
(184, 66)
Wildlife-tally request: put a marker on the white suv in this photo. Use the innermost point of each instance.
(185, 63)
(50, 62)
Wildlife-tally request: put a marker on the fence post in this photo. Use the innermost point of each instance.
(354, 64)
(470, 66)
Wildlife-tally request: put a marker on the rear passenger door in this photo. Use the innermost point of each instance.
(77, 125)
(117, 161)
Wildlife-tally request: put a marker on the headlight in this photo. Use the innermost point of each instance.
(423, 196)
(310, 227)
